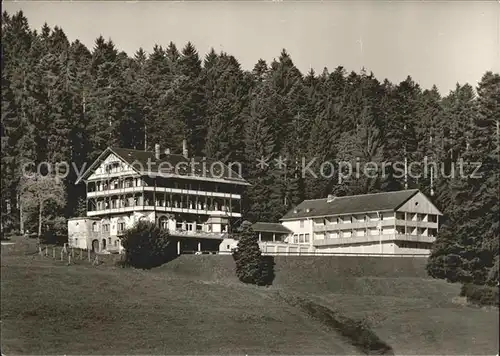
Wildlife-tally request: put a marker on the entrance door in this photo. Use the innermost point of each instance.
(103, 244)
(95, 245)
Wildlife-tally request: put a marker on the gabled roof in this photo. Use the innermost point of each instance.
(270, 227)
(169, 165)
(387, 201)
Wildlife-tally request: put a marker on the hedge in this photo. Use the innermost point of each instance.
(480, 295)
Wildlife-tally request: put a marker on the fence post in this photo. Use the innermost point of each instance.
(69, 259)
(54, 252)
(40, 250)
(46, 250)
(88, 254)
(62, 257)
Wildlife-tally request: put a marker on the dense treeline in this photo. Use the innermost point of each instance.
(64, 102)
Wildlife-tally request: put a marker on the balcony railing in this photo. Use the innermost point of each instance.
(353, 225)
(161, 190)
(374, 224)
(415, 223)
(199, 234)
(373, 238)
(221, 213)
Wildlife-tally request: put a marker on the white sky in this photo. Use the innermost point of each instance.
(435, 42)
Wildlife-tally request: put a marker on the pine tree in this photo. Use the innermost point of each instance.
(399, 132)
(260, 151)
(225, 95)
(325, 134)
(472, 226)
(248, 256)
(187, 103)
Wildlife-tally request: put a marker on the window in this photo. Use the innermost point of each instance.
(381, 216)
(295, 238)
(109, 240)
(301, 224)
(116, 243)
(306, 238)
(105, 227)
(163, 223)
(76, 241)
(95, 228)
(121, 226)
(301, 238)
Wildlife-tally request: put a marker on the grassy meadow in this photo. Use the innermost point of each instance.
(195, 305)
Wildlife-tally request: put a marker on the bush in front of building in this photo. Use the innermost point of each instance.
(480, 295)
(147, 246)
(251, 266)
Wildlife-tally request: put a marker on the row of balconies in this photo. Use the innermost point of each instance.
(132, 190)
(127, 203)
(370, 217)
(373, 238)
(163, 209)
(118, 183)
(200, 231)
(371, 224)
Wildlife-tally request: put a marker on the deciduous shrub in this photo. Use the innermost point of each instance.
(147, 246)
(480, 295)
(251, 266)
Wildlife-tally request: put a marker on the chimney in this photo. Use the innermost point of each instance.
(184, 149)
(167, 151)
(157, 151)
(330, 198)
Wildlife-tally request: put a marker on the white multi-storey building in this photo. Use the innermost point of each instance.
(195, 199)
(401, 222)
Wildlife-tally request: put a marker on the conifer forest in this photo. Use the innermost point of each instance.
(64, 102)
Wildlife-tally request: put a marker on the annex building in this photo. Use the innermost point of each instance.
(400, 222)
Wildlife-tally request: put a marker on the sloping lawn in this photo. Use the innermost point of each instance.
(195, 305)
(408, 310)
(51, 308)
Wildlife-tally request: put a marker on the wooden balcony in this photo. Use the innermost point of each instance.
(415, 223)
(353, 225)
(198, 234)
(163, 209)
(161, 190)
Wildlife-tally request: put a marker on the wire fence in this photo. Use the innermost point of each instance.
(71, 256)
